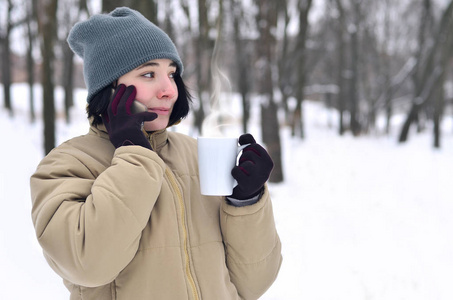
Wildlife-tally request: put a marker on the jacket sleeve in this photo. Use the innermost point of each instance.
(89, 225)
(253, 248)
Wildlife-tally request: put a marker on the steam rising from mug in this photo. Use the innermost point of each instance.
(220, 119)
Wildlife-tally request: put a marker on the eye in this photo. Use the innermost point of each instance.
(149, 75)
(172, 75)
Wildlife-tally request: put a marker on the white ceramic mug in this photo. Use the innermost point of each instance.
(217, 156)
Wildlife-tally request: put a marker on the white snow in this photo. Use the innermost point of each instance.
(359, 218)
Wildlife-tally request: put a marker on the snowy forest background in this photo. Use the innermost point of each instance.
(362, 58)
(353, 99)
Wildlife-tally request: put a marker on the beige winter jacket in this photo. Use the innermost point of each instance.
(131, 224)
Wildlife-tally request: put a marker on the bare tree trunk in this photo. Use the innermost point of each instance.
(31, 18)
(47, 16)
(425, 25)
(203, 59)
(168, 25)
(267, 17)
(147, 8)
(386, 71)
(297, 126)
(428, 70)
(438, 108)
(71, 16)
(284, 62)
(411, 118)
(68, 80)
(388, 104)
(242, 65)
(189, 48)
(6, 61)
(271, 137)
(354, 67)
(68, 65)
(341, 66)
(109, 5)
(439, 98)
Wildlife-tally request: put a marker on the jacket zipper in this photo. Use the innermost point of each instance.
(185, 232)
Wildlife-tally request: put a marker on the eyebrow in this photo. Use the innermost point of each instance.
(154, 64)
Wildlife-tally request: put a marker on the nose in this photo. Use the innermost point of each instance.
(167, 89)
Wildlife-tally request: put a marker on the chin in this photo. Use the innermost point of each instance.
(156, 125)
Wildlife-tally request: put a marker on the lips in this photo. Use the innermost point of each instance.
(160, 110)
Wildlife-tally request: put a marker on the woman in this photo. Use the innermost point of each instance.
(118, 212)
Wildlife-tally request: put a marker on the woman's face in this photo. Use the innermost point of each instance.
(156, 89)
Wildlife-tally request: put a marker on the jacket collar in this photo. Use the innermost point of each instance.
(99, 130)
(157, 139)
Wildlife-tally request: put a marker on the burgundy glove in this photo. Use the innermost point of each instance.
(254, 169)
(125, 128)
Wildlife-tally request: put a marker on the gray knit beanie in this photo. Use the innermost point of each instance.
(113, 44)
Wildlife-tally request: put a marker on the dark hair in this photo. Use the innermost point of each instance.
(100, 102)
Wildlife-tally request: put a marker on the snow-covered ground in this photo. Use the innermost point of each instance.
(359, 218)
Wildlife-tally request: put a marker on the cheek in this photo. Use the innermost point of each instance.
(143, 92)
